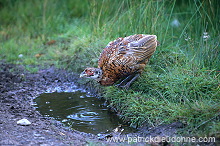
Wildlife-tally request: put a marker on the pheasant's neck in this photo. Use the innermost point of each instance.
(99, 75)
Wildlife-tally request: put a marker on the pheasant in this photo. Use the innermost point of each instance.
(123, 58)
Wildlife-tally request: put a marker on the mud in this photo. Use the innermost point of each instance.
(18, 88)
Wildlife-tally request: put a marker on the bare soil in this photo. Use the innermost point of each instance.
(18, 88)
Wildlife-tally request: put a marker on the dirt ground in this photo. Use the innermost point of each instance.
(19, 87)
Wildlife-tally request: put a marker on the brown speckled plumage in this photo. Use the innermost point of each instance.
(125, 56)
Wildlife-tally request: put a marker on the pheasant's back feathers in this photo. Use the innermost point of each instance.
(126, 56)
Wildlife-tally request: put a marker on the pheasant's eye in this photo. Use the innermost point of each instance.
(89, 72)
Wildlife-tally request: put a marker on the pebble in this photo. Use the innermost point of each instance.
(24, 122)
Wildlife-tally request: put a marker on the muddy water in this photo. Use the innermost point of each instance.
(79, 111)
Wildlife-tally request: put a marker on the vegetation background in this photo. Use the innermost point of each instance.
(182, 80)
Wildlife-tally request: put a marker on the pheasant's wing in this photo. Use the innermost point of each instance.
(134, 49)
(125, 56)
(109, 52)
(139, 47)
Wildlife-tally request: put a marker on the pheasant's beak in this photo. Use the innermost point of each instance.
(83, 74)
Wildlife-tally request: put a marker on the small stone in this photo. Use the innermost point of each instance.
(24, 122)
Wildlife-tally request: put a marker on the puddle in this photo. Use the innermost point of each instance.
(79, 111)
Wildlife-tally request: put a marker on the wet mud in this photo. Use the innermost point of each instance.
(19, 88)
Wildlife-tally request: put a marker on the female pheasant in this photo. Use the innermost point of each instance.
(123, 58)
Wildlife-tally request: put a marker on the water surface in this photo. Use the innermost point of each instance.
(78, 110)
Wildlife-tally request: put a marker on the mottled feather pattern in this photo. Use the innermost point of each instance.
(125, 56)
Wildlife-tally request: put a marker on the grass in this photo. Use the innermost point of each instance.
(181, 82)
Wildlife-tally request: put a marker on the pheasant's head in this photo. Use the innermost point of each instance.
(94, 73)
